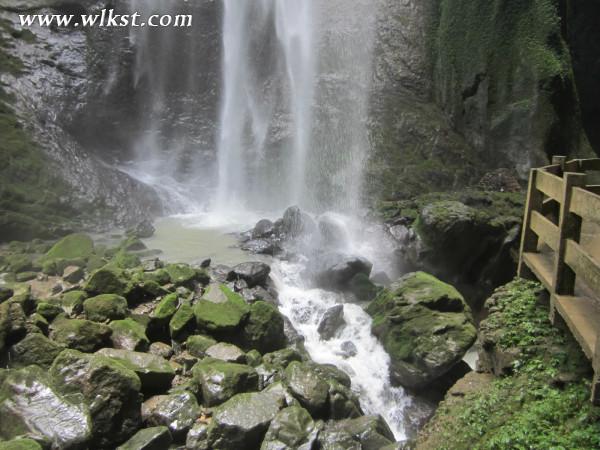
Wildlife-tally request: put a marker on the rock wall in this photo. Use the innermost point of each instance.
(464, 87)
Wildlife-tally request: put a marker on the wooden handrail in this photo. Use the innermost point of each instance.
(558, 203)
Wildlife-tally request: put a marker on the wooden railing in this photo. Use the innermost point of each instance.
(560, 204)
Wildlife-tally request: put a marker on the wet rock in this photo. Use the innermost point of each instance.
(165, 309)
(12, 323)
(363, 288)
(343, 403)
(105, 307)
(336, 271)
(264, 328)
(152, 265)
(219, 380)
(281, 358)
(258, 293)
(178, 412)
(425, 326)
(5, 293)
(35, 349)
(182, 323)
(129, 335)
(253, 273)
(30, 406)
(308, 386)
(262, 246)
(71, 247)
(107, 281)
(155, 438)
(185, 275)
(161, 349)
(73, 274)
(216, 293)
(154, 372)
(332, 321)
(348, 349)
(333, 232)
(226, 352)
(368, 432)
(144, 229)
(71, 302)
(221, 318)
(264, 228)
(197, 438)
(296, 223)
(49, 311)
(198, 344)
(292, 427)
(82, 335)
(109, 389)
(242, 421)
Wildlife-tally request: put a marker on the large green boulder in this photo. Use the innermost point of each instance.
(35, 349)
(155, 438)
(166, 308)
(425, 326)
(18, 263)
(154, 372)
(264, 328)
(242, 421)
(79, 334)
(308, 386)
(292, 427)
(185, 275)
(218, 380)
(71, 247)
(105, 307)
(198, 344)
(128, 334)
(182, 323)
(71, 302)
(111, 390)
(108, 280)
(31, 406)
(223, 317)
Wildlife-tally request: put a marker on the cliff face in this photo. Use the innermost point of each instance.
(464, 87)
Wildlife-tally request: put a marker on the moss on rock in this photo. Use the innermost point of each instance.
(105, 307)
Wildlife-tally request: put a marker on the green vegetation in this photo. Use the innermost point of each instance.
(544, 403)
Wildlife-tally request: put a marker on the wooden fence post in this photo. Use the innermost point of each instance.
(569, 228)
(529, 240)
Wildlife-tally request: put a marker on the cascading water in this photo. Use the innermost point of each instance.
(294, 95)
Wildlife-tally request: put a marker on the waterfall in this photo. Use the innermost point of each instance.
(294, 104)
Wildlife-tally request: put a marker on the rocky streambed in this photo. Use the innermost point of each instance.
(107, 346)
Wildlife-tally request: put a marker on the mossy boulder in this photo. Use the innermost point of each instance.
(182, 323)
(34, 349)
(31, 406)
(154, 372)
(292, 427)
(425, 326)
(111, 390)
(108, 280)
(221, 318)
(264, 328)
(218, 381)
(366, 432)
(166, 308)
(83, 335)
(49, 311)
(198, 344)
(128, 334)
(20, 444)
(185, 275)
(242, 421)
(18, 263)
(71, 302)
(105, 307)
(71, 247)
(308, 386)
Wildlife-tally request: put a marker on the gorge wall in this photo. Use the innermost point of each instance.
(457, 89)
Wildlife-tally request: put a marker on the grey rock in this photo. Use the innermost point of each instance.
(226, 352)
(155, 438)
(332, 321)
(177, 411)
(254, 273)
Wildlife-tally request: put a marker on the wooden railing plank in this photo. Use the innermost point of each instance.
(585, 204)
(545, 229)
(584, 265)
(591, 165)
(550, 184)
